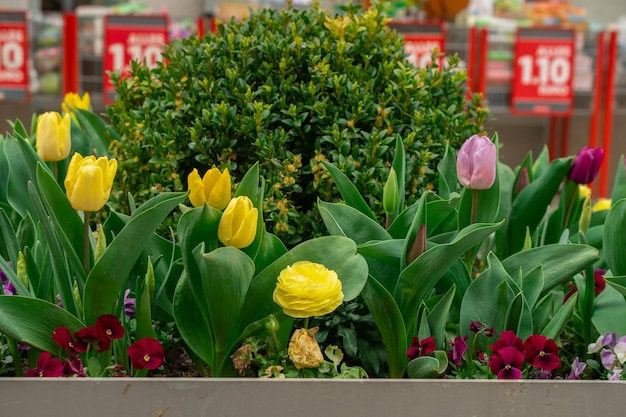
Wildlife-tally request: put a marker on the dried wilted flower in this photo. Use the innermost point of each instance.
(303, 349)
(242, 358)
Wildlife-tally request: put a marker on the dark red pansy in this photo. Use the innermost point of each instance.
(146, 353)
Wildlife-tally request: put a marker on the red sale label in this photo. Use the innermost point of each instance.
(420, 40)
(543, 73)
(128, 38)
(13, 57)
(420, 48)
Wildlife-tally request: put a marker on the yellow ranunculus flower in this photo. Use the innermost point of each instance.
(307, 289)
(303, 350)
(237, 226)
(602, 204)
(53, 136)
(213, 188)
(73, 100)
(88, 181)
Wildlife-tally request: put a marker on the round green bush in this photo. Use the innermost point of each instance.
(289, 89)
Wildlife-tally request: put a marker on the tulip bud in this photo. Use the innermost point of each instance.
(418, 246)
(584, 191)
(88, 181)
(101, 244)
(21, 271)
(585, 216)
(522, 181)
(74, 101)
(150, 281)
(476, 163)
(238, 223)
(390, 193)
(53, 136)
(586, 165)
(213, 188)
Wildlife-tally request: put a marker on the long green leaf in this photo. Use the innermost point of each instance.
(559, 262)
(194, 328)
(110, 274)
(348, 191)
(614, 238)
(609, 312)
(225, 275)
(62, 274)
(556, 325)
(390, 325)
(447, 173)
(528, 208)
(100, 134)
(344, 220)
(399, 166)
(438, 317)
(619, 181)
(32, 321)
(419, 278)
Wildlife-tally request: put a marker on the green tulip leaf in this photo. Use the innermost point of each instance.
(344, 220)
(390, 325)
(542, 311)
(98, 133)
(513, 320)
(560, 319)
(399, 166)
(22, 160)
(609, 312)
(447, 173)
(619, 182)
(418, 279)
(33, 321)
(529, 206)
(194, 328)
(559, 262)
(348, 191)
(438, 317)
(614, 238)
(438, 214)
(63, 277)
(427, 367)
(491, 310)
(195, 226)
(270, 249)
(109, 275)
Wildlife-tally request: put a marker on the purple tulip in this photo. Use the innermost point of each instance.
(476, 163)
(586, 165)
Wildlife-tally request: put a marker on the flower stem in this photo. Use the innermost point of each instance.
(55, 171)
(474, 206)
(570, 207)
(86, 231)
(306, 323)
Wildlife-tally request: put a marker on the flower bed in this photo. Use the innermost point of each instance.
(502, 272)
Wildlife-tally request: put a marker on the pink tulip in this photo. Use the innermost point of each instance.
(476, 163)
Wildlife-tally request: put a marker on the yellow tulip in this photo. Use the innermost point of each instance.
(237, 226)
(602, 204)
(88, 181)
(307, 289)
(53, 136)
(303, 350)
(584, 191)
(213, 188)
(73, 100)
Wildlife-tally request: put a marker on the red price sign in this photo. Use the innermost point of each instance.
(544, 72)
(420, 39)
(13, 57)
(128, 38)
(420, 48)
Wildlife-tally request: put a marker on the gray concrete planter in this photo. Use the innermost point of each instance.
(156, 397)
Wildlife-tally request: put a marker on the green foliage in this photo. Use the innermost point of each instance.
(290, 89)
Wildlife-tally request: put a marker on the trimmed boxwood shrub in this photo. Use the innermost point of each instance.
(289, 88)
